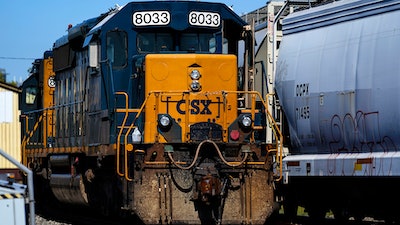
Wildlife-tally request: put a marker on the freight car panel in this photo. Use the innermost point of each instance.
(337, 78)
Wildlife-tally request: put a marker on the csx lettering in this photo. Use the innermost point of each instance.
(196, 106)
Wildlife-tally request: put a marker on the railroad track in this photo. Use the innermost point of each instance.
(82, 217)
(78, 215)
(56, 214)
(305, 220)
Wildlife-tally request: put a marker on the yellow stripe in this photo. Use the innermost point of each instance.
(18, 195)
(9, 196)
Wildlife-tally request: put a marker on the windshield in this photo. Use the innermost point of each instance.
(184, 42)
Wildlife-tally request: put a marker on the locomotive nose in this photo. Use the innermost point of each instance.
(186, 90)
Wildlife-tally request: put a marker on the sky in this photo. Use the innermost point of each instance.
(28, 28)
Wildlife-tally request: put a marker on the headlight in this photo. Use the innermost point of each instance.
(195, 86)
(195, 75)
(245, 121)
(164, 121)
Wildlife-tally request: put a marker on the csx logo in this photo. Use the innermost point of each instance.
(196, 106)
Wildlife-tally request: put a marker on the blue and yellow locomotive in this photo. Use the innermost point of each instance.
(149, 114)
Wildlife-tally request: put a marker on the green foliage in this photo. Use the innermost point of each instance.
(3, 78)
(2, 75)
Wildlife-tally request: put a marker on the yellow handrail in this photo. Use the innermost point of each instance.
(28, 135)
(126, 110)
(271, 121)
(121, 130)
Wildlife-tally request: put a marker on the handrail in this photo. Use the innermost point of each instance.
(127, 110)
(30, 184)
(271, 120)
(28, 135)
(121, 130)
(186, 95)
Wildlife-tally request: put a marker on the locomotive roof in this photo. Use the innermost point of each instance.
(336, 12)
(178, 9)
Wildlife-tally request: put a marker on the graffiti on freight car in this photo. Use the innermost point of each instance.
(359, 133)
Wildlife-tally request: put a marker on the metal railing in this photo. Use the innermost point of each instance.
(30, 184)
(255, 96)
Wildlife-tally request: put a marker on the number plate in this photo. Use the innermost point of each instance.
(149, 18)
(208, 19)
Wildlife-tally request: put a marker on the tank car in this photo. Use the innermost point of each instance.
(337, 78)
(148, 115)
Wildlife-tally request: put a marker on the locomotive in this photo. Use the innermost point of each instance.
(143, 110)
(337, 77)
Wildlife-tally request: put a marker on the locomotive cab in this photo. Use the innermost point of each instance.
(37, 95)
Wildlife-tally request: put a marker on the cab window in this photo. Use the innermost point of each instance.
(30, 95)
(117, 51)
(181, 42)
(154, 42)
(196, 42)
(212, 44)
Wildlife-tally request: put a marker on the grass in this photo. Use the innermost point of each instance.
(301, 211)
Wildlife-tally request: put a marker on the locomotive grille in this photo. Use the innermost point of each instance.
(205, 130)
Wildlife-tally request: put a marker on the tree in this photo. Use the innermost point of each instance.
(3, 78)
(3, 75)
